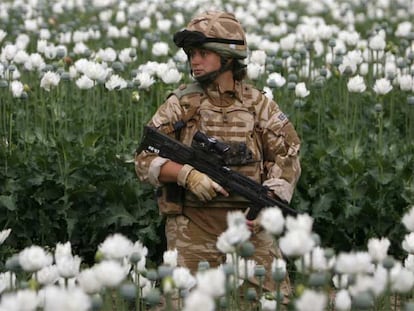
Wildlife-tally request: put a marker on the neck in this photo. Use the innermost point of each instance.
(225, 81)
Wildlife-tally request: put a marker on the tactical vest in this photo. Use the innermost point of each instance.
(235, 124)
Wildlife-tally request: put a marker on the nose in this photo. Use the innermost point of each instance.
(195, 58)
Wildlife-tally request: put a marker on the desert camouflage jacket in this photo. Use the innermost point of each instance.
(244, 116)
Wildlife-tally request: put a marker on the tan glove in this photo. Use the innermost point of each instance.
(280, 187)
(198, 183)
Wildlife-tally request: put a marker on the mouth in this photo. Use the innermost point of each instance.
(198, 72)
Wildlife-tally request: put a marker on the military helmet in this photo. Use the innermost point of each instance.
(220, 32)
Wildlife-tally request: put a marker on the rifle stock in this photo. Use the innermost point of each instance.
(210, 164)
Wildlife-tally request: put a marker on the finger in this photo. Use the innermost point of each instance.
(250, 225)
(220, 189)
(208, 194)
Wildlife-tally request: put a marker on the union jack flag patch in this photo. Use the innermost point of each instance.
(281, 116)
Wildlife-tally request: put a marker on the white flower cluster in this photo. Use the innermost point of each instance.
(63, 283)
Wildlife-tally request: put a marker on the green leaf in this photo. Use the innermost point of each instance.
(90, 139)
(351, 210)
(322, 206)
(8, 202)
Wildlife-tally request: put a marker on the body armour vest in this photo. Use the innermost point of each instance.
(231, 118)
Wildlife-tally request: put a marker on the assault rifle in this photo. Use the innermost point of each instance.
(207, 157)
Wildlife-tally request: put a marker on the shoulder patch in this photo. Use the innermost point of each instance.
(282, 116)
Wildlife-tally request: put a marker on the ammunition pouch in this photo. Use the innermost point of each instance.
(170, 199)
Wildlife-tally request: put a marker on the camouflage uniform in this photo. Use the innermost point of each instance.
(244, 115)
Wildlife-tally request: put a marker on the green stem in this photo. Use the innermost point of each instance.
(346, 95)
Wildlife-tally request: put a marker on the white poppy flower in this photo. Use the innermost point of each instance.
(250, 265)
(356, 84)
(63, 250)
(7, 281)
(68, 266)
(127, 55)
(408, 243)
(258, 57)
(21, 57)
(268, 92)
(311, 300)
(377, 43)
(267, 304)
(49, 80)
(403, 29)
(223, 244)
(115, 82)
(382, 86)
(145, 23)
(48, 275)
(56, 298)
(24, 299)
(275, 79)
(316, 260)
(106, 55)
(3, 34)
(254, 71)
(301, 91)
(340, 281)
(211, 282)
(34, 258)
(116, 246)
(183, 278)
(110, 273)
(300, 222)
(170, 257)
(144, 79)
(84, 83)
(279, 264)
(408, 219)
(164, 25)
(160, 49)
(296, 243)
(8, 52)
(88, 281)
(406, 82)
(142, 251)
(272, 220)
(353, 263)
(378, 248)
(92, 70)
(31, 25)
(402, 279)
(80, 48)
(288, 42)
(343, 300)
(171, 76)
(16, 88)
(120, 17)
(409, 262)
(198, 300)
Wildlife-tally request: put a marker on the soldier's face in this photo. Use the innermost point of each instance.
(203, 61)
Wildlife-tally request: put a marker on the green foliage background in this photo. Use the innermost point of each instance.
(66, 157)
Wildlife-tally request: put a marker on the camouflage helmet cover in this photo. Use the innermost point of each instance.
(220, 32)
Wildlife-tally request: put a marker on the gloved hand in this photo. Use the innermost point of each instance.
(198, 183)
(280, 187)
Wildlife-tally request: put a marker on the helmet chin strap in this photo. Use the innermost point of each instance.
(209, 77)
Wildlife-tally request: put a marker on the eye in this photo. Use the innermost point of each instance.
(190, 52)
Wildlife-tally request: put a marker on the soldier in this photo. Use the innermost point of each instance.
(222, 105)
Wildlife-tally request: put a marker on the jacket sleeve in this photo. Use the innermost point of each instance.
(147, 164)
(281, 146)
